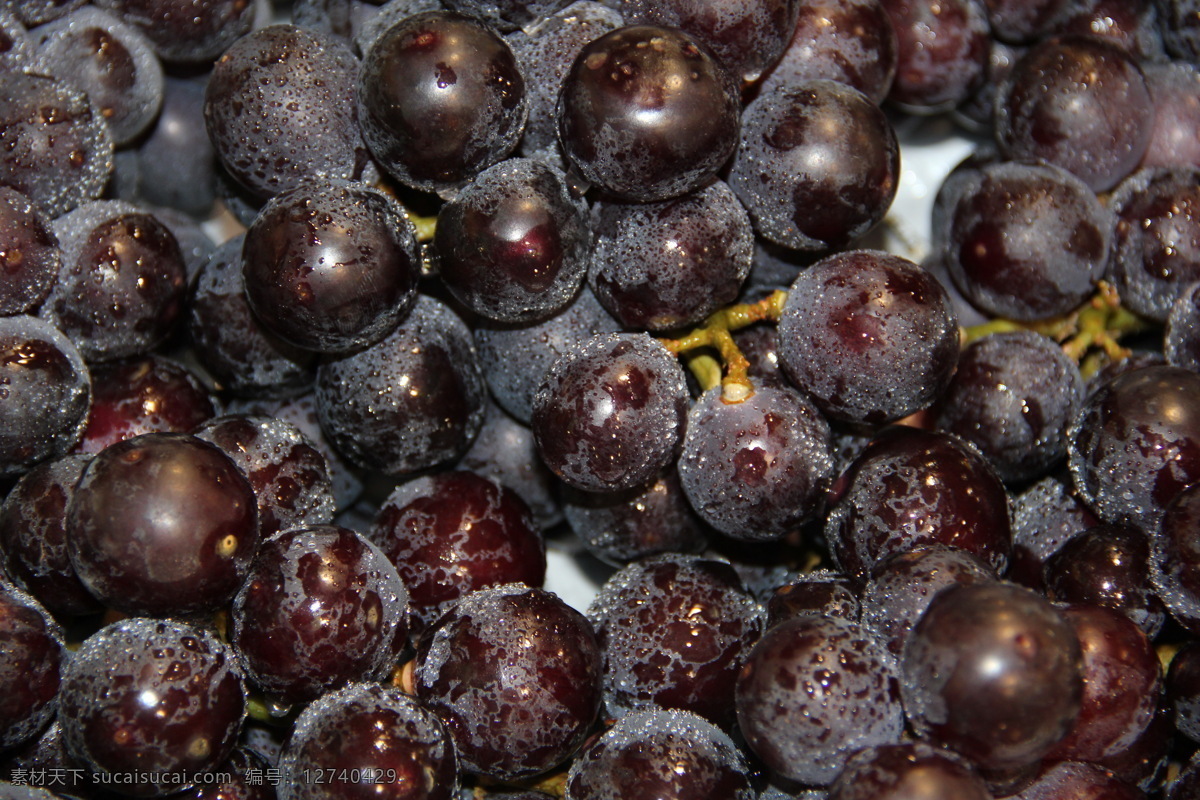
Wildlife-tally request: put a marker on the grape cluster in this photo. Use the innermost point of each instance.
(489, 399)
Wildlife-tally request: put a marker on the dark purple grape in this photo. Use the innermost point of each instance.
(514, 244)
(646, 113)
(1026, 241)
(942, 53)
(756, 470)
(1136, 444)
(162, 524)
(342, 18)
(910, 488)
(112, 62)
(1012, 396)
(147, 704)
(902, 587)
(851, 41)
(1175, 89)
(904, 771)
(1131, 24)
(440, 99)
(31, 662)
(657, 753)
(1183, 689)
(178, 145)
(287, 473)
(620, 527)
(366, 740)
(545, 53)
(1109, 566)
(232, 344)
(279, 110)
(1145, 763)
(747, 37)
(412, 401)
(611, 413)
(331, 266)
(1024, 21)
(821, 592)
(665, 265)
(1156, 244)
(143, 395)
(818, 165)
(1080, 103)
(993, 672)
(123, 281)
(30, 257)
(1181, 340)
(1175, 557)
(1077, 780)
(189, 31)
(33, 537)
(869, 335)
(514, 673)
(321, 607)
(370, 26)
(1122, 685)
(56, 147)
(453, 532)
(515, 358)
(812, 692)
(674, 630)
(1044, 517)
(45, 393)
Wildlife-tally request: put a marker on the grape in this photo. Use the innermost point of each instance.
(1013, 395)
(942, 53)
(453, 532)
(869, 335)
(122, 284)
(818, 165)
(669, 264)
(625, 132)
(1080, 103)
(1183, 689)
(976, 114)
(656, 753)
(187, 31)
(756, 470)
(411, 401)
(821, 592)
(383, 742)
(287, 473)
(747, 37)
(1135, 444)
(1023, 21)
(440, 98)
(611, 414)
(1174, 561)
(620, 527)
(507, 14)
(674, 630)
(1156, 244)
(232, 344)
(514, 674)
(513, 245)
(1044, 517)
(321, 607)
(56, 147)
(150, 703)
(1068, 780)
(381, 17)
(812, 692)
(31, 661)
(993, 672)
(162, 524)
(33, 537)
(1181, 343)
(113, 63)
(1175, 89)
(45, 393)
(515, 357)
(331, 266)
(278, 110)
(911, 487)
(545, 53)
(1026, 241)
(1131, 24)
(29, 254)
(851, 41)
(901, 771)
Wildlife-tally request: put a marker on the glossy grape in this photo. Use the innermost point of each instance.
(187, 31)
(1174, 86)
(31, 664)
(821, 592)
(30, 257)
(898, 771)
(942, 53)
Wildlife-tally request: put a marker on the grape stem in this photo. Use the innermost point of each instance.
(716, 333)
(1090, 335)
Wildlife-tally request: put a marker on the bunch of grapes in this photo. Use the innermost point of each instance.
(463, 400)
